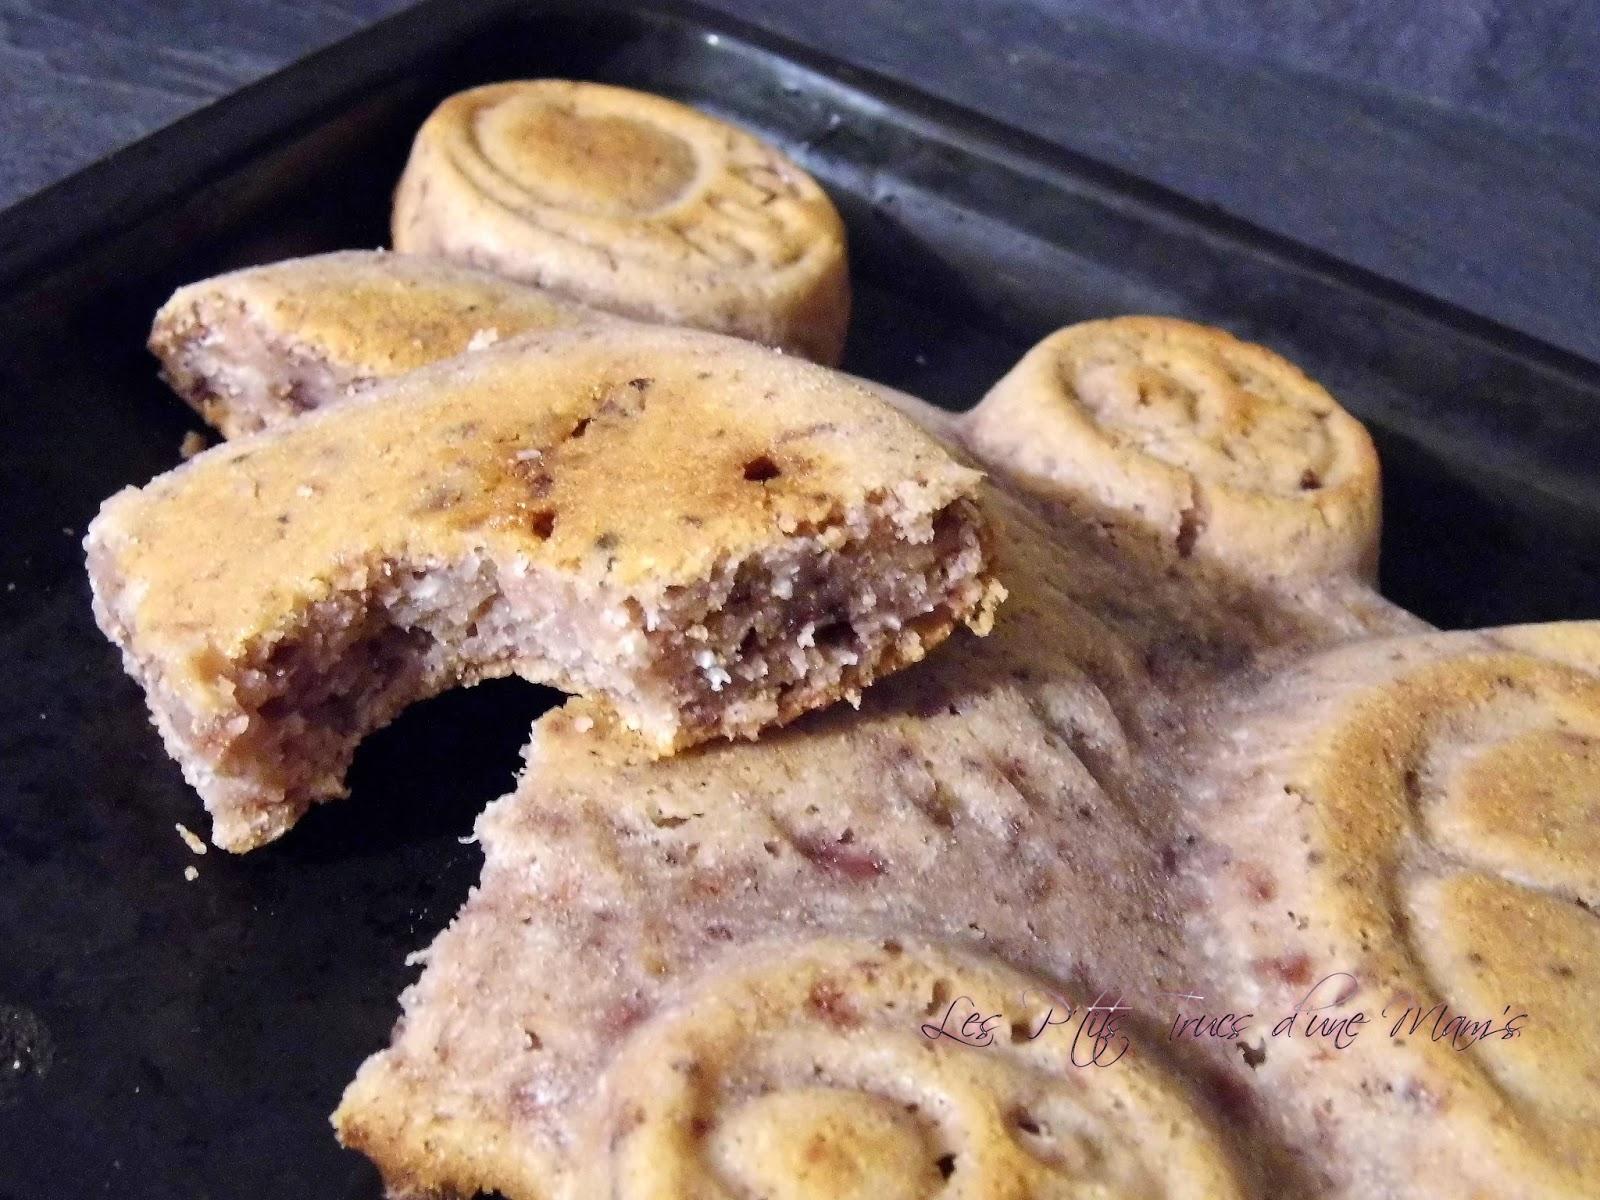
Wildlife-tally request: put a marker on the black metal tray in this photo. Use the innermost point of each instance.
(160, 1037)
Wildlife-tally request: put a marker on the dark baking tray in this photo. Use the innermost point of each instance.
(160, 1037)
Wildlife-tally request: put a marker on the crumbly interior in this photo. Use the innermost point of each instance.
(816, 617)
(852, 600)
(241, 378)
(1020, 796)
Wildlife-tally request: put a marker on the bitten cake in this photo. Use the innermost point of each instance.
(711, 537)
(1001, 840)
(833, 962)
(252, 348)
(631, 203)
(871, 956)
(1220, 449)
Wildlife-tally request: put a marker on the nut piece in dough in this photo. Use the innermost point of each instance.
(712, 537)
(1223, 450)
(259, 346)
(631, 203)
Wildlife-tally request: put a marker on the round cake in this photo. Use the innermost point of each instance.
(1221, 449)
(631, 203)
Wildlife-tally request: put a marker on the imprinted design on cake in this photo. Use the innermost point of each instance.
(259, 346)
(1429, 831)
(709, 536)
(818, 1072)
(631, 203)
(1199, 758)
(1000, 803)
(1220, 448)
(1024, 802)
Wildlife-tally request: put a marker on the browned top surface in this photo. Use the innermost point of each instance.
(1183, 784)
(630, 457)
(373, 313)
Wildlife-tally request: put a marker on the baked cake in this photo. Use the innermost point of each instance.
(710, 536)
(870, 955)
(632, 203)
(259, 346)
(1218, 448)
(1412, 830)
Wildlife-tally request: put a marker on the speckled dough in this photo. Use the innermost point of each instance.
(263, 345)
(631, 203)
(991, 810)
(1220, 449)
(1421, 819)
(712, 536)
(820, 1073)
(1168, 783)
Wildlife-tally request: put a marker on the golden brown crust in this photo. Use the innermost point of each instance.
(636, 443)
(424, 1152)
(1427, 820)
(818, 1072)
(260, 345)
(617, 486)
(1221, 449)
(631, 203)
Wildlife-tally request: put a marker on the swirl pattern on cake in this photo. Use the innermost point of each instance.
(820, 1072)
(1022, 802)
(631, 203)
(1429, 836)
(1220, 448)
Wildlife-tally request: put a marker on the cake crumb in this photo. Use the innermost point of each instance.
(190, 873)
(189, 839)
(193, 443)
(483, 339)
